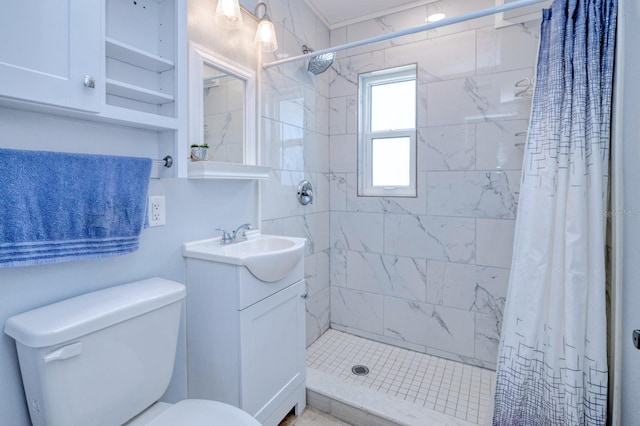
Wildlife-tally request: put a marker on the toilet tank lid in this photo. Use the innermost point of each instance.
(72, 318)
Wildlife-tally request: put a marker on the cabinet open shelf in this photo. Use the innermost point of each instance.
(136, 57)
(137, 93)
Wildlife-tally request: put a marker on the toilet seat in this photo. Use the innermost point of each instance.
(200, 412)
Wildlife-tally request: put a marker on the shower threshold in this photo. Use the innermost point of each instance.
(402, 387)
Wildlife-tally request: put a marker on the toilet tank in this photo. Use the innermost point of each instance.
(99, 358)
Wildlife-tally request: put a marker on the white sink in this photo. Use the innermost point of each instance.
(267, 257)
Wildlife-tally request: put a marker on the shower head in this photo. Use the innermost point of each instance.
(318, 64)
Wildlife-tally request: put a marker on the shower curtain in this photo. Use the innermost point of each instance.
(552, 364)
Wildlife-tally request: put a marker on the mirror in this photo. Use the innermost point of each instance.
(222, 108)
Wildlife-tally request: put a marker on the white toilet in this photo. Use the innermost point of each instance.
(106, 357)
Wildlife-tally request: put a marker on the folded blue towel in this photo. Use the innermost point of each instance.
(57, 207)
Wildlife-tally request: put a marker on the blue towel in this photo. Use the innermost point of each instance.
(57, 207)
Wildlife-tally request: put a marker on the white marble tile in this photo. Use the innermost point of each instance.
(273, 226)
(447, 147)
(323, 269)
(322, 114)
(278, 197)
(409, 205)
(357, 231)
(407, 320)
(338, 191)
(316, 272)
(296, 17)
(384, 25)
(338, 115)
(437, 238)
(443, 58)
(271, 143)
(315, 152)
(321, 193)
(471, 287)
(290, 45)
(487, 338)
(311, 273)
(508, 48)
(423, 105)
(500, 144)
(313, 227)
(338, 267)
(439, 327)
(494, 242)
(403, 277)
(477, 99)
(317, 314)
(292, 148)
(352, 114)
(352, 308)
(344, 72)
(338, 36)
(473, 194)
(343, 153)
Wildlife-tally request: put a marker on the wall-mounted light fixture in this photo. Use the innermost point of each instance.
(265, 38)
(228, 14)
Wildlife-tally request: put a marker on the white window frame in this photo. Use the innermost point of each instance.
(365, 137)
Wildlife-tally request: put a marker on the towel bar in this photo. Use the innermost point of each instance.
(166, 161)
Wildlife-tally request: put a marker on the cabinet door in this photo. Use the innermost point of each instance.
(272, 350)
(47, 49)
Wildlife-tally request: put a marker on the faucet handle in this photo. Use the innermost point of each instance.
(226, 237)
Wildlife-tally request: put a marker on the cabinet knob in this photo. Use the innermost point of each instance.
(89, 82)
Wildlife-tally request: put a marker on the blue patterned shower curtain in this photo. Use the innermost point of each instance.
(552, 364)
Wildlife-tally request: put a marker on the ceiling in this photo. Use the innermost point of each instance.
(338, 13)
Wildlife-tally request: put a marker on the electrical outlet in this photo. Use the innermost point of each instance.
(156, 211)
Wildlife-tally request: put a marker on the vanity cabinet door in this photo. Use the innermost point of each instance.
(273, 350)
(47, 49)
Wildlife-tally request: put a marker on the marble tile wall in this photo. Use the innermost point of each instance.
(294, 142)
(431, 273)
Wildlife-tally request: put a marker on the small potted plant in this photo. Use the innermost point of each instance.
(199, 152)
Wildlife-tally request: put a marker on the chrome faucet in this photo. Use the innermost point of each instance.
(238, 235)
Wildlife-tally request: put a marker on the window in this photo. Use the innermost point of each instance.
(387, 133)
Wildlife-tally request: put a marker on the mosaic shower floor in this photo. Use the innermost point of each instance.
(402, 386)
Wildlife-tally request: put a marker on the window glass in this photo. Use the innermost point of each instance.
(391, 158)
(387, 151)
(393, 106)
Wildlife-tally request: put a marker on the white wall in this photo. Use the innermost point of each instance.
(631, 219)
(194, 209)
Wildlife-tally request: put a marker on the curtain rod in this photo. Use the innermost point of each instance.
(424, 27)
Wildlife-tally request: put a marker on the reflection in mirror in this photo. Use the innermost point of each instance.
(222, 110)
(223, 102)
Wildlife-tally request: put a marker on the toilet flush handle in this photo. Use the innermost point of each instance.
(64, 352)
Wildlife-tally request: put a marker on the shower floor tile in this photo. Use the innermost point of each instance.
(424, 384)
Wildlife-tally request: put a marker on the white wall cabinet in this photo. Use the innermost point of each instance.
(47, 49)
(246, 339)
(118, 61)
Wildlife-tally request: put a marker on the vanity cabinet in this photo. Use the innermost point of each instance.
(246, 339)
(117, 61)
